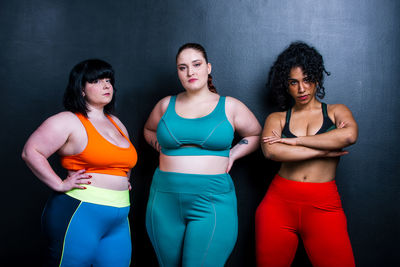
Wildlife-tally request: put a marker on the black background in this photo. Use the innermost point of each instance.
(40, 41)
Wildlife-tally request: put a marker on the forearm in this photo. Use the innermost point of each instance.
(245, 146)
(42, 169)
(332, 140)
(151, 138)
(286, 153)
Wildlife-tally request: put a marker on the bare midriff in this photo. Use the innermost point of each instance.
(107, 181)
(318, 170)
(194, 164)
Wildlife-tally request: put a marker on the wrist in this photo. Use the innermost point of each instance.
(59, 186)
(298, 141)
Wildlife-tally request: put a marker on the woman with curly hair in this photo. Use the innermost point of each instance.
(308, 138)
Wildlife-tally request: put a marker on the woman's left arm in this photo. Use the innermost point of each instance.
(246, 125)
(344, 135)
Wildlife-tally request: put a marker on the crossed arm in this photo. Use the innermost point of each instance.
(328, 144)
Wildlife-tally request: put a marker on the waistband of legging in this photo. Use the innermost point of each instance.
(176, 182)
(303, 191)
(101, 196)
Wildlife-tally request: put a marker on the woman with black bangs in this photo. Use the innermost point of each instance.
(308, 139)
(86, 219)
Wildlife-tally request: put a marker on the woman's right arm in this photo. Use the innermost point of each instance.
(283, 152)
(150, 127)
(53, 134)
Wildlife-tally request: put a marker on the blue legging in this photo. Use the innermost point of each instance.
(85, 234)
(192, 218)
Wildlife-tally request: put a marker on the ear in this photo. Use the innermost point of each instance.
(209, 68)
(83, 93)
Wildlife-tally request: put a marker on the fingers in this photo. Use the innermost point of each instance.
(270, 139)
(342, 124)
(276, 134)
(77, 180)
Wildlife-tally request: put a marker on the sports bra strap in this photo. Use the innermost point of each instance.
(288, 113)
(324, 110)
(116, 126)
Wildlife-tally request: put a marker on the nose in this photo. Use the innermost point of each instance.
(190, 71)
(301, 87)
(106, 83)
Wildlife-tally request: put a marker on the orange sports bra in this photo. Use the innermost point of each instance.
(99, 155)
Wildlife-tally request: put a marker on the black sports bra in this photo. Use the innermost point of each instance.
(327, 124)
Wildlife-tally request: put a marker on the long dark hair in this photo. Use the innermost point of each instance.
(87, 71)
(201, 49)
(298, 54)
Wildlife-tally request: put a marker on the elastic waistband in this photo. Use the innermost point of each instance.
(176, 182)
(304, 191)
(101, 196)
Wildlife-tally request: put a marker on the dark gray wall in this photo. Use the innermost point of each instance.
(40, 41)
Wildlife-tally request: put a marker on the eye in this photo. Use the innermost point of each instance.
(94, 81)
(108, 80)
(181, 68)
(197, 65)
(292, 82)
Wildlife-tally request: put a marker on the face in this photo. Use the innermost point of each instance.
(193, 69)
(300, 87)
(99, 92)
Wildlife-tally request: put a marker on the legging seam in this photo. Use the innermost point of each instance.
(212, 235)
(66, 232)
(129, 229)
(153, 230)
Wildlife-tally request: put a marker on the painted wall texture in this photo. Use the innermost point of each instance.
(41, 41)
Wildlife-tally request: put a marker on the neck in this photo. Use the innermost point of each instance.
(203, 93)
(314, 103)
(95, 112)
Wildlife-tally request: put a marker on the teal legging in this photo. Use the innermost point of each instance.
(192, 218)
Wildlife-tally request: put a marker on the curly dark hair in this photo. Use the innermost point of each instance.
(201, 49)
(298, 54)
(87, 71)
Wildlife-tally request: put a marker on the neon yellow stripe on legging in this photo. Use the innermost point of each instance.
(66, 232)
(101, 196)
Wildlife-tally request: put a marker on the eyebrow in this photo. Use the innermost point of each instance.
(183, 64)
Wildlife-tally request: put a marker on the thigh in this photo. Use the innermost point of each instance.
(276, 232)
(165, 226)
(115, 247)
(65, 224)
(211, 230)
(325, 236)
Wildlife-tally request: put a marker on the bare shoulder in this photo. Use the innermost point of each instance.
(162, 105)
(65, 119)
(276, 116)
(335, 109)
(233, 105)
(233, 101)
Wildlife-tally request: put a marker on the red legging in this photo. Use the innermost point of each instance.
(312, 211)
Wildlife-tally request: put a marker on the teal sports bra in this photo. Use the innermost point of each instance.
(210, 135)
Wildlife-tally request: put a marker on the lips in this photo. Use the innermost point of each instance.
(303, 97)
(192, 80)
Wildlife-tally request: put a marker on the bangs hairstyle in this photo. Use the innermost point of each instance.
(298, 54)
(199, 48)
(87, 71)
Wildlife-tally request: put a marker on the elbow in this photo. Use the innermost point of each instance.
(350, 139)
(269, 154)
(25, 155)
